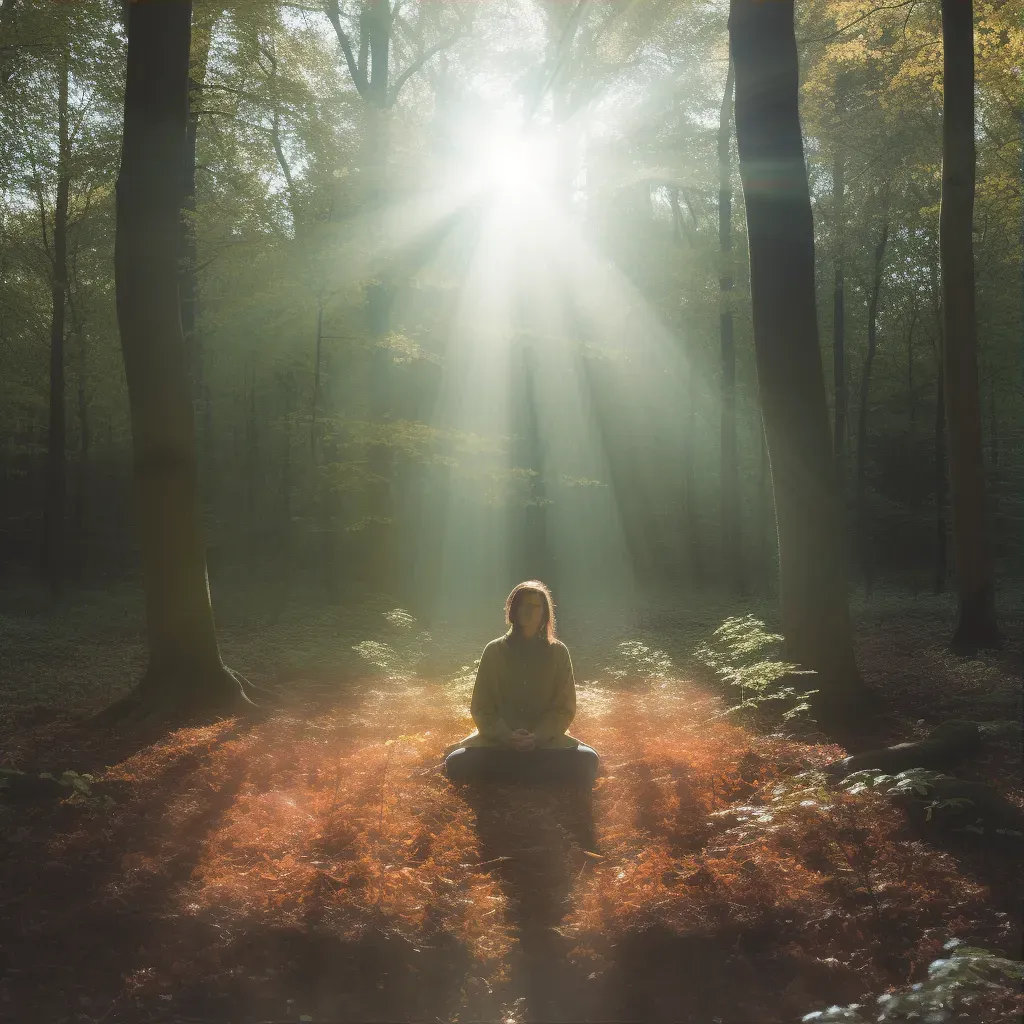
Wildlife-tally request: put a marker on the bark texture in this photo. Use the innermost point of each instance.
(729, 470)
(813, 603)
(185, 672)
(188, 267)
(976, 622)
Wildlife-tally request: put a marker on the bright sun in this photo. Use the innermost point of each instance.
(516, 167)
(512, 164)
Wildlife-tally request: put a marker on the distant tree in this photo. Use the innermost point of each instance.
(56, 472)
(863, 526)
(373, 68)
(814, 612)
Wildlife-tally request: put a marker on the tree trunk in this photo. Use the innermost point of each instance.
(839, 323)
(185, 672)
(188, 282)
(254, 477)
(531, 555)
(863, 528)
(941, 567)
(912, 475)
(814, 612)
(729, 472)
(56, 477)
(767, 517)
(976, 626)
(993, 452)
(82, 483)
(380, 294)
(677, 216)
(318, 345)
(694, 547)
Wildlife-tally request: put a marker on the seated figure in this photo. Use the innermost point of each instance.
(523, 702)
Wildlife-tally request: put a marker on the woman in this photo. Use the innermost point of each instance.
(523, 702)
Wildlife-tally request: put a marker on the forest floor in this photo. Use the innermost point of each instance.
(316, 864)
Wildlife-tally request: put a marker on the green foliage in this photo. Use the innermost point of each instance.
(797, 796)
(954, 984)
(805, 801)
(743, 654)
(920, 782)
(81, 791)
(636, 660)
(407, 650)
(285, 246)
(914, 780)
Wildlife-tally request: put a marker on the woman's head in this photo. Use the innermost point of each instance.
(530, 609)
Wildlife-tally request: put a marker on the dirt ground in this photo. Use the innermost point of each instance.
(315, 863)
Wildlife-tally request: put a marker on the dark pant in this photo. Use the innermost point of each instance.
(575, 765)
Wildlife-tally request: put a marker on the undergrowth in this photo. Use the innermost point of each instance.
(955, 985)
(335, 820)
(745, 656)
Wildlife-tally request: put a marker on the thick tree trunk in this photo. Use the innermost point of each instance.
(729, 470)
(766, 513)
(993, 455)
(976, 626)
(814, 612)
(188, 282)
(56, 475)
(185, 672)
(863, 526)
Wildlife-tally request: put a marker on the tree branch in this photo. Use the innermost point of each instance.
(860, 18)
(562, 53)
(333, 12)
(418, 63)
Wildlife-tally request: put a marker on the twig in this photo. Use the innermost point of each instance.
(493, 860)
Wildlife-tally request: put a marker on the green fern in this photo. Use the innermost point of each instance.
(952, 983)
(743, 653)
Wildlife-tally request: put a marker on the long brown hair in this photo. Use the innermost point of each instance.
(547, 622)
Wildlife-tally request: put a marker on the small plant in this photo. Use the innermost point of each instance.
(954, 983)
(913, 780)
(637, 660)
(744, 655)
(799, 794)
(407, 651)
(802, 812)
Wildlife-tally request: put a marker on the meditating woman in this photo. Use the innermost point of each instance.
(523, 702)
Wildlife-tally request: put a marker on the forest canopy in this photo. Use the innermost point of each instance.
(451, 291)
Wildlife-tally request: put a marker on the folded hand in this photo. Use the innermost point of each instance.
(522, 739)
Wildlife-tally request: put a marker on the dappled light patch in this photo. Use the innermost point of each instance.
(319, 862)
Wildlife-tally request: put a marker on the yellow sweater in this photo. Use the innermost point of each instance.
(523, 684)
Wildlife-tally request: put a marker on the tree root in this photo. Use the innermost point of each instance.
(944, 746)
(177, 696)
